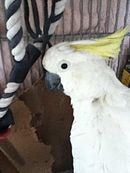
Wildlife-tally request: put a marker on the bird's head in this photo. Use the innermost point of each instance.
(80, 66)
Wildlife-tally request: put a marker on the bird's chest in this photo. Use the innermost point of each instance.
(99, 144)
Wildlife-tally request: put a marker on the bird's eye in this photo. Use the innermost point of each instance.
(64, 65)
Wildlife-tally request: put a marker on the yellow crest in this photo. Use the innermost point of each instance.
(105, 47)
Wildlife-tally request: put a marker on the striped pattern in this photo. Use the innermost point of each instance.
(14, 34)
(58, 11)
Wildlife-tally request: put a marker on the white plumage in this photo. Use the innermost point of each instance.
(100, 134)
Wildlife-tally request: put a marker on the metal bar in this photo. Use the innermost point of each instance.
(2, 59)
(98, 10)
(69, 35)
(84, 36)
(99, 14)
(90, 5)
(63, 29)
(117, 14)
(107, 22)
(126, 12)
(27, 38)
(81, 18)
(72, 17)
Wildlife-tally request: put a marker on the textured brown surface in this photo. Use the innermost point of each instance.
(5, 165)
(52, 118)
(34, 156)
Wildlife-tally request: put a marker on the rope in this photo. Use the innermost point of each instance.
(25, 57)
(14, 34)
(14, 28)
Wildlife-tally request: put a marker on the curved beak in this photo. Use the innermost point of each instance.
(53, 82)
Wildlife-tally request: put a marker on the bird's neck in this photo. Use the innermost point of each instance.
(85, 110)
(86, 114)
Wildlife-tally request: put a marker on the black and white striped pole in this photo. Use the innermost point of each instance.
(24, 57)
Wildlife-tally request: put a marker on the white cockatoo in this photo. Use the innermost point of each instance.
(100, 133)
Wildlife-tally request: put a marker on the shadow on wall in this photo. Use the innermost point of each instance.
(52, 119)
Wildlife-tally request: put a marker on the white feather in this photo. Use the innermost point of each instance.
(100, 134)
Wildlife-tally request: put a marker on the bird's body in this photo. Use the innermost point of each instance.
(100, 134)
(100, 137)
